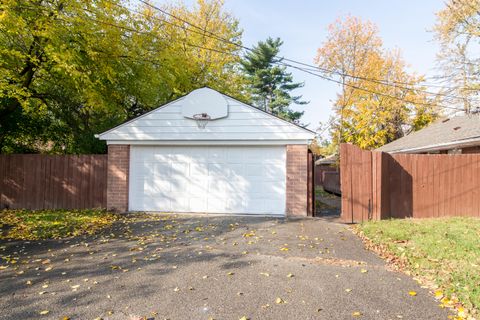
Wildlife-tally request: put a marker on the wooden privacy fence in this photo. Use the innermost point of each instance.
(53, 182)
(377, 185)
(331, 181)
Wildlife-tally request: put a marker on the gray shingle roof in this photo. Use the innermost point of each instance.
(443, 134)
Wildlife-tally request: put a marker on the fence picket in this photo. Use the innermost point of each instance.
(53, 182)
(408, 185)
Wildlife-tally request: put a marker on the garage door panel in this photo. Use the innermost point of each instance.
(156, 203)
(235, 204)
(255, 170)
(198, 169)
(198, 204)
(216, 204)
(216, 154)
(180, 202)
(179, 168)
(216, 170)
(198, 186)
(234, 169)
(217, 179)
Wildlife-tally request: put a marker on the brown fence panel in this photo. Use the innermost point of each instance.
(310, 184)
(379, 185)
(356, 183)
(320, 170)
(53, 182)
(331, 182)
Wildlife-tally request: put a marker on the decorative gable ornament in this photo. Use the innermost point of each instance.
(204, 105)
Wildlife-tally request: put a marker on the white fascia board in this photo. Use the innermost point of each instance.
(208, 142)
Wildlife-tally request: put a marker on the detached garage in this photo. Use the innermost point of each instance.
(207, 152)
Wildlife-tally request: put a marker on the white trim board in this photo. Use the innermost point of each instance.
(208, 142)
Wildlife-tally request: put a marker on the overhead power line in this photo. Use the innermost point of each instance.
(322, 69)
(217, 37)
(279, 62)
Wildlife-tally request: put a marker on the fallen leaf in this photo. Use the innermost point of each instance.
(279, 301)
(290, 275)
(356, 314)
(364, 271)
(266, 274)
(348, 290)
(230, 273)
(412, 293)
(44, 312)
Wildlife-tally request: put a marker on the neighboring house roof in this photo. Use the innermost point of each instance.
(173, 123)
(444, 134)
(331, 159)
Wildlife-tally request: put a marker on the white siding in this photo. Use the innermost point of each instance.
(242, 123)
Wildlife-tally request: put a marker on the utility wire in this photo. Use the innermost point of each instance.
(291, 66)
(217, 37)
(280, 61)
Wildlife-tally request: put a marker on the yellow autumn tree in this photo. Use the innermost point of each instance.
(379, 100)
(204, 45)
(458, 32)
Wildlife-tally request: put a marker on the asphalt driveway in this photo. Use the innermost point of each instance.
(194, 267)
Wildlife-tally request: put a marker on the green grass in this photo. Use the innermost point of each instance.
(52, 224)
(445, 251)
(324, 194)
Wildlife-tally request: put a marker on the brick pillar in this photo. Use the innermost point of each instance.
(117, 181)
(297, 180)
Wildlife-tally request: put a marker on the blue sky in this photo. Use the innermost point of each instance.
(302, 25)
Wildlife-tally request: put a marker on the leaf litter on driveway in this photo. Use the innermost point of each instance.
(163, 259)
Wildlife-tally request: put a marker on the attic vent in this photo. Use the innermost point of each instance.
(445, 120)
(456, 128)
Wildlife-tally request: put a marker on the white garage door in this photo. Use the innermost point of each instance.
(212, 179)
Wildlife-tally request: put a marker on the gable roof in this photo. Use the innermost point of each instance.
(243, 123)
(447, 133)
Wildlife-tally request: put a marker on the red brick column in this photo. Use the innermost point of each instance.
(297, 176)
(117, 181)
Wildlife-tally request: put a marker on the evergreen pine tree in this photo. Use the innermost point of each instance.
(270, 83)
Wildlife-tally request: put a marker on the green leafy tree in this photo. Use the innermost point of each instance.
(271, 85)
(70, 69)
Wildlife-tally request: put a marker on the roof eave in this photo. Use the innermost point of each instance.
(440, 146)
